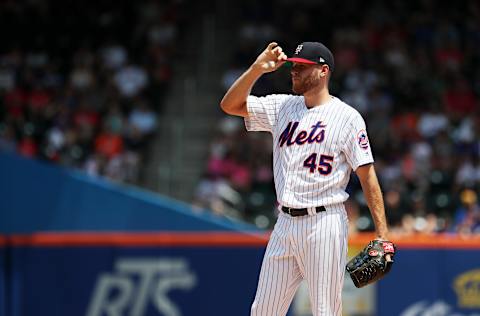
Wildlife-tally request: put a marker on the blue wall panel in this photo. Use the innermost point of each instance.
(432, 282)
(35, 196)
(58, 281)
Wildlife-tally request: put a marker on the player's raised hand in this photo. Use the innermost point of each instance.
(270, 59)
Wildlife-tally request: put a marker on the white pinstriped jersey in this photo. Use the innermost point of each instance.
(314, 150)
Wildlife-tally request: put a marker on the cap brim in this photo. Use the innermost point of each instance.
(301, 61)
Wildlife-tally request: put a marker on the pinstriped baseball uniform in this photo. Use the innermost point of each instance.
(314, 152)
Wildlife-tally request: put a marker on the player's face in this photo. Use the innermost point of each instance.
(305, 77)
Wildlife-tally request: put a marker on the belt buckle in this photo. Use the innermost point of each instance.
(289, 211)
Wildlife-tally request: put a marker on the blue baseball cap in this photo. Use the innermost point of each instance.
(313, 53)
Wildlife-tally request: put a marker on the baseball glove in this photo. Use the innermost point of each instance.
(371, 264)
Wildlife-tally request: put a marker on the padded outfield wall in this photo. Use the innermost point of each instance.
(214, 274)
(76, 246)
(35, 196)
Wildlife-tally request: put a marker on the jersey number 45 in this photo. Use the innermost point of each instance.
(324, 165)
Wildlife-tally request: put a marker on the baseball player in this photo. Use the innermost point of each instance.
(317, 141)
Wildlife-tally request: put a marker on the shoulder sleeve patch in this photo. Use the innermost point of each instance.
(362, 139)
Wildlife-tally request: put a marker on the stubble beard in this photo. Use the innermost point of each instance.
(302, 87)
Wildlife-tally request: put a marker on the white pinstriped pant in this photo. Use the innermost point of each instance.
(310, 247)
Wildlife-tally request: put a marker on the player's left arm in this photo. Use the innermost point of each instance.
(373, 195)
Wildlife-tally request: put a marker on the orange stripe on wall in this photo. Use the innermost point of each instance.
(419, 241)
(171, 239)
(218, 239)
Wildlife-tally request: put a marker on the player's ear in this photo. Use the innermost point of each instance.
(324, 70)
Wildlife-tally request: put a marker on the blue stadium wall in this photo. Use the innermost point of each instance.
(35, 196)
(76, 245)
(72, 245)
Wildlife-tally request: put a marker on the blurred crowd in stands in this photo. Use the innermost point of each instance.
(82, 83)
(411, 68)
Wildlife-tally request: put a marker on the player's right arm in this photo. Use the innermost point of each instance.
(234, 102)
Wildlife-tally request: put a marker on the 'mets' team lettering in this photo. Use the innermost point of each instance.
(302, 138)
